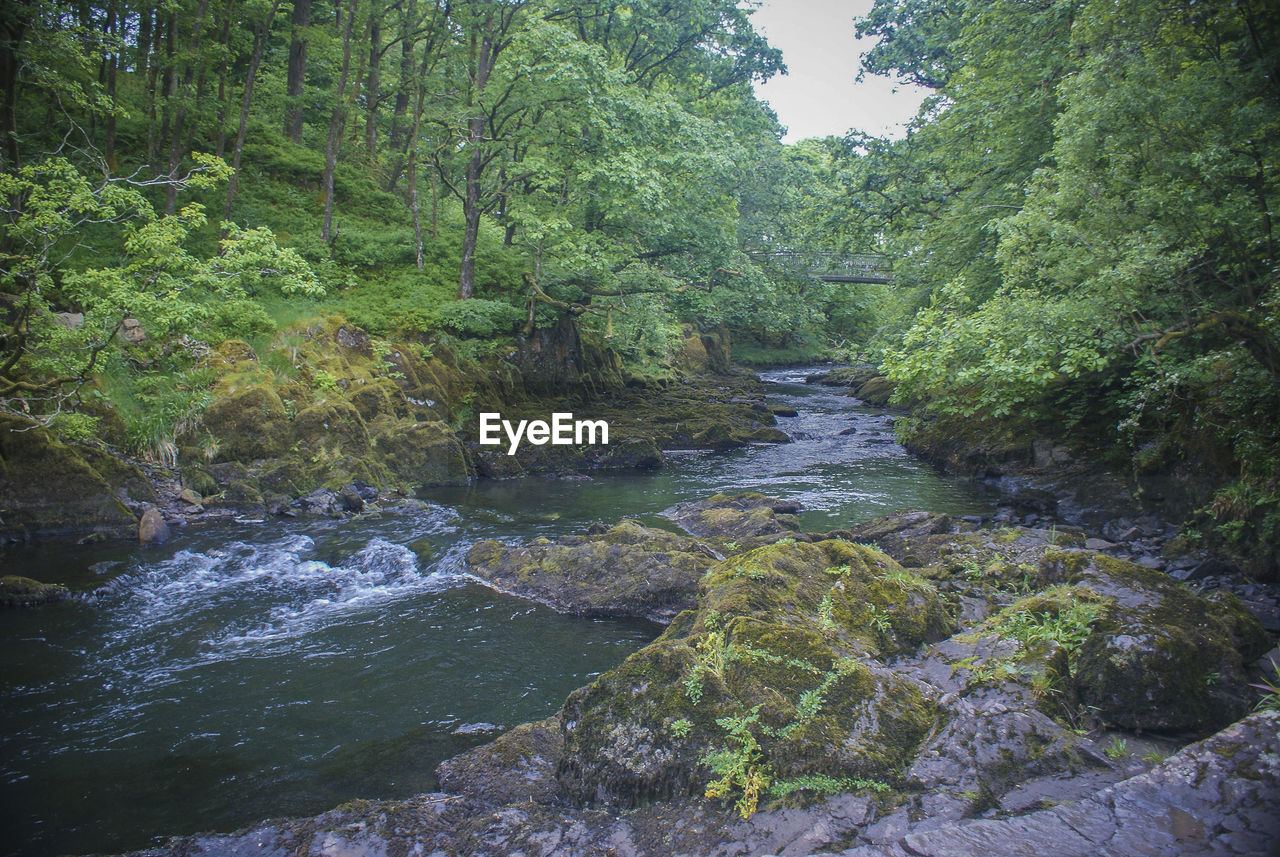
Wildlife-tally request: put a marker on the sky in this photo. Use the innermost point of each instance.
(819, 95)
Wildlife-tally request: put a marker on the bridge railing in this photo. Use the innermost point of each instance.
(858, 267)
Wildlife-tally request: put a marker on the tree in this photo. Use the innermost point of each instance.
(47, 208)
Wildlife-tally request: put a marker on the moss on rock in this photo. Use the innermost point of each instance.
(421, 453)
(250, 424)
(52, 487)
(18, 591)
(628, 570)
(1148, 654)
(775, 647)
(745, 515)
(331, 424)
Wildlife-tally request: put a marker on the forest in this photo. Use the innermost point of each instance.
(1079, 220)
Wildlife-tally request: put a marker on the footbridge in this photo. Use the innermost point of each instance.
(839, 267)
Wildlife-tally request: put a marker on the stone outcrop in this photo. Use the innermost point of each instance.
(626, 570)
(818, 697)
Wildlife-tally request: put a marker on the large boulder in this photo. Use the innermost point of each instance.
(1160, 657)
(737, 516)
(627, 570)
(767, 681)
(334, 426)
(421, 453)
(47, 486)
(250, 424)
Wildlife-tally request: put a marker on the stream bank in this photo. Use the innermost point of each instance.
(916, 684)
(329, 420)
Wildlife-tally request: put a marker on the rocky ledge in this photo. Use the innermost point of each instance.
(915, 685)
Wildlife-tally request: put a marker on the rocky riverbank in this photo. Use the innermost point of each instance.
(1044, 483)
(913, 685)
(331, 421)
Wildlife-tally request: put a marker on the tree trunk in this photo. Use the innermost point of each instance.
(297, 73)
(144, 40)
(13, 25)
(483, 65)
(220, 146)
(399, 132)
(260, 35)
(113, 65)
(178, 133)
(335, 125)
(373, 86)
(153, 77)
(169, 85)
(471, 228)
(413, 205)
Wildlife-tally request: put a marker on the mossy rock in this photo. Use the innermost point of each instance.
(693, 355)
(628, 570)
(242, 492)
(47, 486)
(200, 481)
(517, 767)
(332, 425)
(1161, 657)
(719, 350)
(744, 515)
(765, 434)
(380, 398)
(18, 591)
(876, 392)
(779, 638)
(421, 453)
(250, 424)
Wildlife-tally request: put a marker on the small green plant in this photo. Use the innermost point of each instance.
(1117, 749)
(693, 684)
(324, 381)
(878, 620)
(74, 427)
(382, 351)
(837, 570)
(1270, 691)
(826, 623)
(1154, 757)
(739, 766)
(821, 784)
(811, 702)
(680, 728)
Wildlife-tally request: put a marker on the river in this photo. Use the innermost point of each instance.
(279, 668)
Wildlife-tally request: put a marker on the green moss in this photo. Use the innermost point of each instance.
(249, 424)
(18, 591)
(754, 651)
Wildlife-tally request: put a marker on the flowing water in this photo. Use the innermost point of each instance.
(279, 668)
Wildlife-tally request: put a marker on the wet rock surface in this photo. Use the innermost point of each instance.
(951, 690)
(17, 591)
(626, 570)
(745, 515)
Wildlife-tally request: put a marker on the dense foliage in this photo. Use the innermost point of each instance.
(546, 159)
(1082, 226)
(1080, 218)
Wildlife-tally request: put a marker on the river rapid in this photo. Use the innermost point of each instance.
(278, 668)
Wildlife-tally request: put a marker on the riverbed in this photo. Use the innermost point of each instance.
(278, 668)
